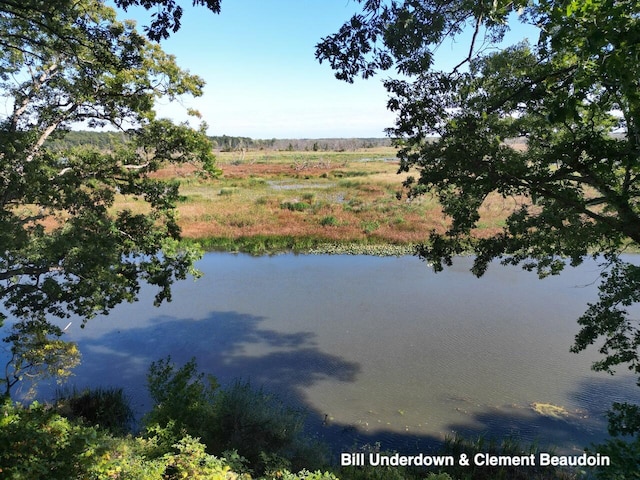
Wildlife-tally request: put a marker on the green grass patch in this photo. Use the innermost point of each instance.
(350, 173)
(329, 221)
(349, 183)
(257, 181)
(295, 206)
(309, 197)
(353, 205)
(369, 226)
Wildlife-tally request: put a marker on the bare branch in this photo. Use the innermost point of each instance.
(136, 167)
(471, 46)
(35, 88)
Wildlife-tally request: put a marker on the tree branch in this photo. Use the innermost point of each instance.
(471, 46)
(37, 84)
(32, 271)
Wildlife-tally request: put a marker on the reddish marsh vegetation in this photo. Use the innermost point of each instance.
(311, 198)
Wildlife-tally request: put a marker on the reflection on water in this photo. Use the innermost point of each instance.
(376, 348)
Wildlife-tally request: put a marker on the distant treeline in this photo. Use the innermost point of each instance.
(227, 143)
(110, 140)
(100, 140)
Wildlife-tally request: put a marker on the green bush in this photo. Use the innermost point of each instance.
(370, 472)
(307, 475)
(510, 447)
(107, 407)
(37, 443)
(183, 403)
(295, 206)
(254, 421)
(256, 424)
(190, 461)
(624, 447)
(625, 460)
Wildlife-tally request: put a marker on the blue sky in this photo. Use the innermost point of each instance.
(257, 58)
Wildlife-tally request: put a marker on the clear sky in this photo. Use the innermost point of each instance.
(263, 81)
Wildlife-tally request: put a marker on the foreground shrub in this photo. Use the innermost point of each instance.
(307, 475)
(508, 447)
(370, 472)
(256, 424)
(37, 443)
(625, 460)
(624, 447)
(183, 403)
(109, 408)
(257, 421)
(190, 461)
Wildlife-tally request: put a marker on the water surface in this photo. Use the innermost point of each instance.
(376, 349)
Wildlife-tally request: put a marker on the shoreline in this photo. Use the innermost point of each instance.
(280, 244)
(274, 245)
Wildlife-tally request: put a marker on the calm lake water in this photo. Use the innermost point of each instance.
(376, 349)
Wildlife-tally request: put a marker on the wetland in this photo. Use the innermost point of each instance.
(374, 345)
(274, 201)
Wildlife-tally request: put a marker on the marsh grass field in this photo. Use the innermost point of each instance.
(270, 201)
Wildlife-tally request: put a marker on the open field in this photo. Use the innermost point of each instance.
(268, 201)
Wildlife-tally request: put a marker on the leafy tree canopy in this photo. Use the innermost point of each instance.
(64, 246)
(573, 190)
(42, 13)
(168, 14)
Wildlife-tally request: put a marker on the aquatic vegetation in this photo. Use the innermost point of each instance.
(379, 250)
(550, 410)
